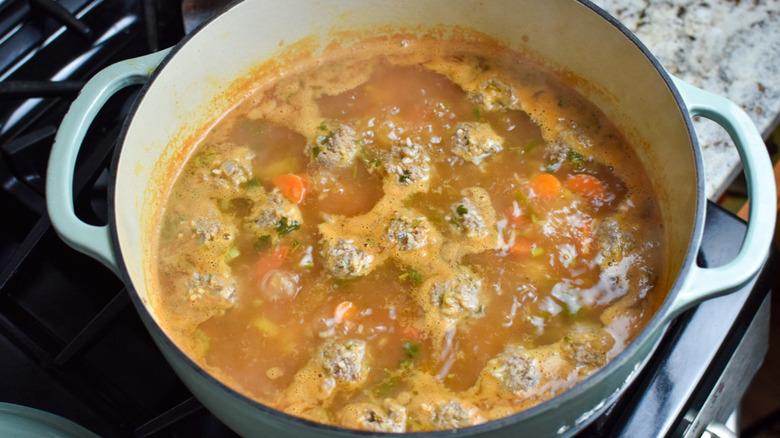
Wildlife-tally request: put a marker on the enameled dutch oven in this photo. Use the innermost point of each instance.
(187, 87)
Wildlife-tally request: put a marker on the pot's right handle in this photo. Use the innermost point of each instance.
(95, 241)
(704, 283)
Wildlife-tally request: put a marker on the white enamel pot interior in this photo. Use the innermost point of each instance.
(198, 80)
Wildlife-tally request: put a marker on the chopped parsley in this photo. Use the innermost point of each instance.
(285, 226)
(525, 149)
(462, 210)
(412, 274)
(205, 158)
(251, 183)
(262, 243)
(411, 349)
(576, 159)
(476, 113)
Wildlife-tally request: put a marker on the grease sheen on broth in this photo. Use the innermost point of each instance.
(409, 235)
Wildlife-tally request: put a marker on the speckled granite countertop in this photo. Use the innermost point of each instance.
(729, 47)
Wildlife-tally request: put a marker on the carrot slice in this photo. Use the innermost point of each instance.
(546, 185)
(583, 243)
(411, 333)
(292, 186)
(587, 185)
(344, 311)
(519, 220)
(522, 246)
(269, 262)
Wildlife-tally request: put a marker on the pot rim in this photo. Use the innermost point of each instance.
(656, 323)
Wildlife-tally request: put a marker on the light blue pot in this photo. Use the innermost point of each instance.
(190, 85)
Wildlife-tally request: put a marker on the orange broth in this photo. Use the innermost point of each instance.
(408, 237)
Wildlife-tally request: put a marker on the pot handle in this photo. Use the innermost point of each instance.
(94, 241)
(705, 283)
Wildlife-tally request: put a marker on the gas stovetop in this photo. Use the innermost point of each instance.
(70, 340)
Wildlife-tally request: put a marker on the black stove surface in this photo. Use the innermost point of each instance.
(71, 342)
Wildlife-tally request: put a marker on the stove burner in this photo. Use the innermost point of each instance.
(58, 12)
(17, 89)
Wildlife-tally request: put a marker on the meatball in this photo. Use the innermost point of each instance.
(452, 415)
(373, 417)
(516, 369)
(476, 141)
(408, 232)
(587, 347)
(408, 163)
(494, 95)
(458, 297)
(200, 286)
(468, 217)
(346, 260)
(613, 242)
(274, 213)
(334, 146)
(344, 361)
(209, 230)
(228, 171)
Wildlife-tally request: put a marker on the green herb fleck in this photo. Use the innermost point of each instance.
(525, 149)
(262, 243)
(325, 139)
(403, 178)
(286, 226)
(386, 386)
(315, 151)
(576, 159)
(462, 210)
(476, 113)
(205, 158)
(566, 339)
(415, 276)
(251, 183)
(411, 349)
(295, 246)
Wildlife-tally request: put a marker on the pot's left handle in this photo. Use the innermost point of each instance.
(95, 241)
(704, 283)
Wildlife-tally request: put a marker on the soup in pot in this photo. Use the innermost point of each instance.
(409, 235)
